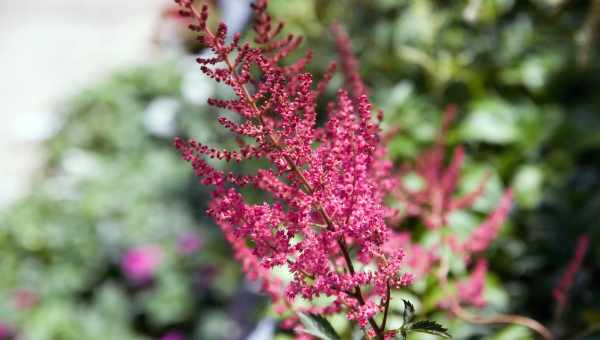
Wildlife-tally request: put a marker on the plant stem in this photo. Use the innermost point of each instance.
(388, 296)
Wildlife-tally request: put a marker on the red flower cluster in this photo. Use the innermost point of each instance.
(326, 206)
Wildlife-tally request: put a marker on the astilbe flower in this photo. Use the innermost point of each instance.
(481, 238)
(325, 220)
(432, 204)
(470, 290)
(560, 293)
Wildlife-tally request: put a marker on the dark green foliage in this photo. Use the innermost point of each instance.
(421, 326)
(409, 311)
(429, 327)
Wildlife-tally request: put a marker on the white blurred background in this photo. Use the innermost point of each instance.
(50, 49)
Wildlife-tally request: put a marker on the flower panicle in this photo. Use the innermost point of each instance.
(326, 220)
(561, 292)
(434, 202)
(348, 61)
(471, 289)
(437, 199)
(483, 235)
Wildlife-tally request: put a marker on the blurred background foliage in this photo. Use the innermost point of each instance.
(524, 75)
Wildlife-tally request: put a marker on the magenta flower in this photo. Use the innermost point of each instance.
(189, 243)
(173, 335)
(487, 231)
(25, 299)
(140, 263)
(326, 220)
(470, 290)
(6, 332)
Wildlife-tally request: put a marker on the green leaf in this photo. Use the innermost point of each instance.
(491, 120)
(429, 327)
(409, 311)
(528, 185)
(318, 326)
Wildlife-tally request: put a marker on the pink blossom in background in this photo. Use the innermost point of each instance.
(6, 332)
(25, 299)
(173, 335)
(140, 263)
(566, 281)
(487, 231)
(189, 243)
(470, 291)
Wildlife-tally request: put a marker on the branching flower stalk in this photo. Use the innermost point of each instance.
(334, 184)
(561, 292)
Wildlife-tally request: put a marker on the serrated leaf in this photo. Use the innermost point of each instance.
(409, 311)
(318, 326)
(429, 327)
